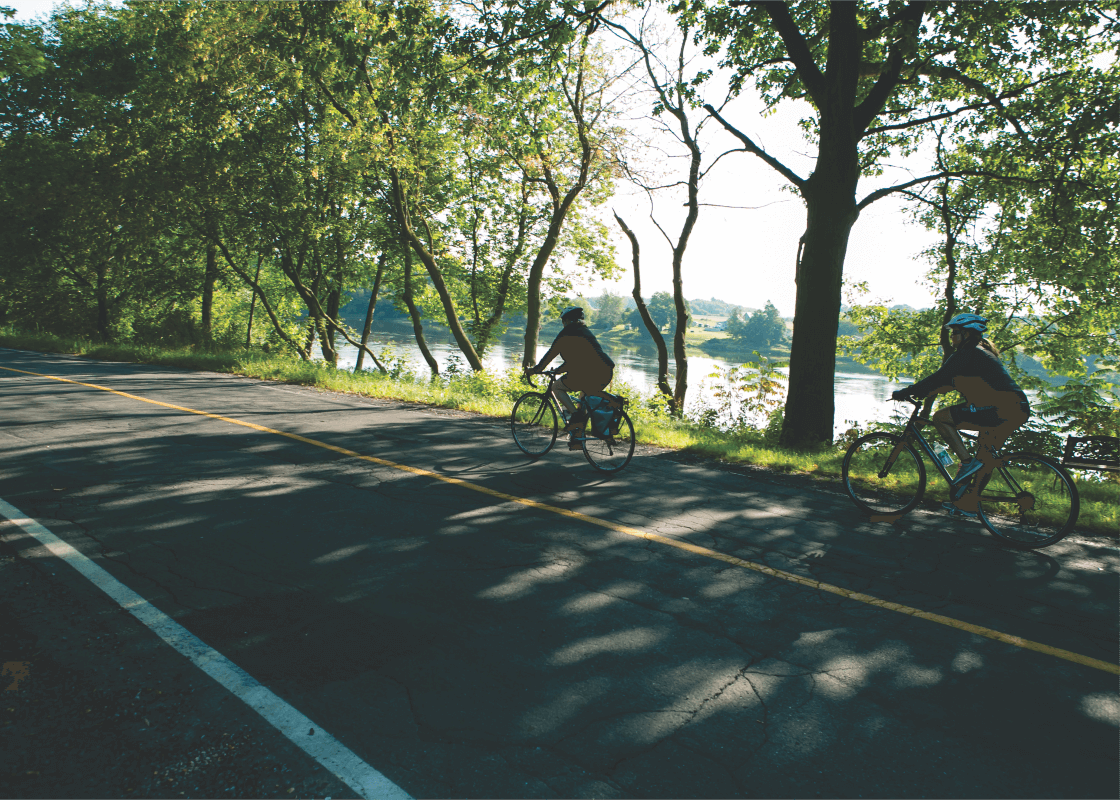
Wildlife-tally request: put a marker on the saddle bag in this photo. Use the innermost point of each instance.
(606, 413)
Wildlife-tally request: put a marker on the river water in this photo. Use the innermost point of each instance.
(859, 398)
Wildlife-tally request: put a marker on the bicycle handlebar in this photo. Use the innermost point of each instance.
(528, 376)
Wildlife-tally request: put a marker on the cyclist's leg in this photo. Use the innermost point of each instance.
(577, 417)
(991, 439)
(561, 392)
(947, 427)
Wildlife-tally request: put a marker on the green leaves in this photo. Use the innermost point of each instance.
(21, 48)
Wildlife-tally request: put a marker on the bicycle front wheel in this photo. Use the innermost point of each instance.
(533, 423)
(611, 453)
(1029, 501)
(883, 474)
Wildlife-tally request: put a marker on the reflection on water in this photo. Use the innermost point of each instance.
(858, 397)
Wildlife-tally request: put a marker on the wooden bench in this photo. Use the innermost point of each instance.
(1092, 452)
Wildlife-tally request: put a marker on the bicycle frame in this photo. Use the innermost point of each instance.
(553, 376)
(913, 431)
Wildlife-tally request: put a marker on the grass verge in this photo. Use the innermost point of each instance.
(493, 395)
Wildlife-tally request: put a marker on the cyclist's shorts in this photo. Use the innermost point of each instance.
(981, 416)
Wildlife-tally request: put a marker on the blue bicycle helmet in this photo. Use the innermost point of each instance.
(968, 322)
(571, 314)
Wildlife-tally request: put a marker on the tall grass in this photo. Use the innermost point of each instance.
(494, 394)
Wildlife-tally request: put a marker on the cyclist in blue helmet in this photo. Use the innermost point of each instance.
(589, 369)
(996, 405)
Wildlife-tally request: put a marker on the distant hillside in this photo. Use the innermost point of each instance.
(712, 307)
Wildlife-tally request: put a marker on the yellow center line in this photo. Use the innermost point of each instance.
(999, 636)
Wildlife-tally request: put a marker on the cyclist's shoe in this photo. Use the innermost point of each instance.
(955, 512)
(967, 471)
(575, 444)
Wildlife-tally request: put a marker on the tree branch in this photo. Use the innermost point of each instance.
(865, 112)
(798, 49)
(751, 147)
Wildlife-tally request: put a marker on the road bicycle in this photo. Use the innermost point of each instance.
(1028, 501)
(536, 419)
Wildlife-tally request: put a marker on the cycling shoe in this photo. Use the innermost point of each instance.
(954, 511)
(967, 471)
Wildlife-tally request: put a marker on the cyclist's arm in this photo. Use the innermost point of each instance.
(551, 354)
(940, 381)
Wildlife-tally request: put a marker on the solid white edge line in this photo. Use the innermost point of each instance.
(324, 748)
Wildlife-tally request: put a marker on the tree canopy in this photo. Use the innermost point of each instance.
(235, 173)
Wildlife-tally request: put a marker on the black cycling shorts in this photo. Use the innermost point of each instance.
(981, 416)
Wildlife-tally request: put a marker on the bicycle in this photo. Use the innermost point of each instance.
(1028, 501)
(534, 423)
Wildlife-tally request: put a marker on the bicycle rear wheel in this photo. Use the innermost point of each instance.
(611, 453)
(1029, 501)
(533, 423)
(878, 484)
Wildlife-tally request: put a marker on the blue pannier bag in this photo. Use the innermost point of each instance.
(606, 414)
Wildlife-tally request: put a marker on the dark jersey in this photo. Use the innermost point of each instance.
(572, 349)
(969, 361)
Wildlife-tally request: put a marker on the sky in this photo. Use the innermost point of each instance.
(745, 255)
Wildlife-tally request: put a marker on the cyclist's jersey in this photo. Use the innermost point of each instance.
(579, 349)
(589, 369)
(969, 361)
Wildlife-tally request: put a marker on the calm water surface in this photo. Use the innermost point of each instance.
(859, 397)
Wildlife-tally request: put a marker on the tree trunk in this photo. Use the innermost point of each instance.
(536, 271)
(413, 311)
(681, 330)
(429, 262)
(253, 305)
(334, 301)
(484, 331)
(533, 290)
(951, 264)
(311, 331)
(831, 212)
(277, 326)
(208, 281)
(643, 312)
(382, 259)
(102, 292)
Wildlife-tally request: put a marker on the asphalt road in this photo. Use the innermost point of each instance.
(464, 644)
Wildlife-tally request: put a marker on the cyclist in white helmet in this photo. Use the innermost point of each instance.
(589, 369)
(996, 405)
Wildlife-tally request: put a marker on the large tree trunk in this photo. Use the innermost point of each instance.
(647, 320)
(830, 200)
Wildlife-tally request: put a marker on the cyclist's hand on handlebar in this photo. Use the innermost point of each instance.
(902, 394)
